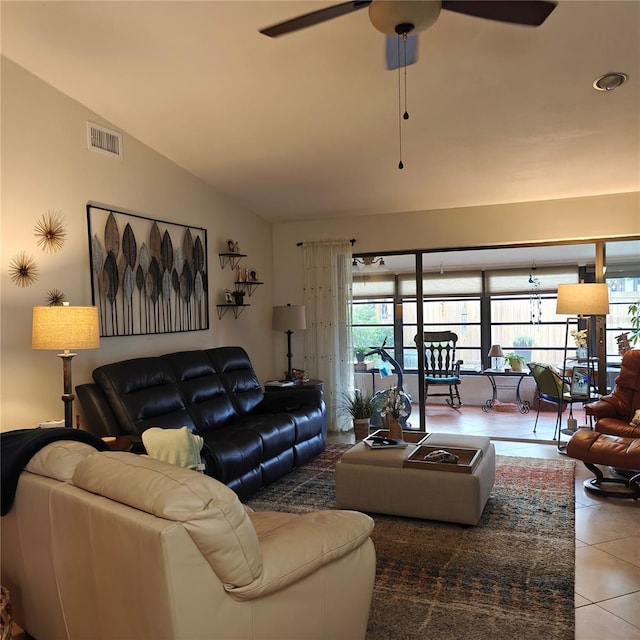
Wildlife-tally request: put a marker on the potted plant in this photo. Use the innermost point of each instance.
(522, 344)
(238, 296)
(360, 407)
(359, 353)
(514, 360)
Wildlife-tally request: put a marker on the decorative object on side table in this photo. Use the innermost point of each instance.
(289, 318)
(496, 354)
(514, 360)
(580, 338)
(64, 328)
(392, 410)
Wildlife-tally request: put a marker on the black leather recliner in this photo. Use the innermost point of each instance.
(251, 438)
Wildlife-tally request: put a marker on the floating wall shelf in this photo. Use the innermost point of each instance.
(230, 259)
(237, 309)
(248, 285)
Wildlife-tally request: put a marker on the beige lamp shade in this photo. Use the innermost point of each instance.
(495, 351)
(65, 328)
(289, 318)
(584, 299)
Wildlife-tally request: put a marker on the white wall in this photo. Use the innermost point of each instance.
(46, 166)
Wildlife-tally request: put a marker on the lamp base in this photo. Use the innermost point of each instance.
(67, 396)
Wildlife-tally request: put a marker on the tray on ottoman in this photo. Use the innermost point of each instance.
(468, 459)
(410, 437)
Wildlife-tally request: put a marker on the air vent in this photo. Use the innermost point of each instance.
(104, 140)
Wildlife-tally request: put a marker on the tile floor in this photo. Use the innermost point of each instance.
(607, 595)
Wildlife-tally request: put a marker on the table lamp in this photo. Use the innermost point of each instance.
(65, 328)
(289, 319)
(496, 355)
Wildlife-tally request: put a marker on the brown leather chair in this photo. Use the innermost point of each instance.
(613, 413)
(615, 441)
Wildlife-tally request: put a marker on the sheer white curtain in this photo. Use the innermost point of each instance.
(327, 339)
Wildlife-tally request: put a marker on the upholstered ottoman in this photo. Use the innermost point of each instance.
(380, 481)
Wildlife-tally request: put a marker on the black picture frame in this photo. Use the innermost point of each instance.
(148, 276)
(580, 380)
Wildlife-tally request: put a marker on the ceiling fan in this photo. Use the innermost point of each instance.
(401, 18)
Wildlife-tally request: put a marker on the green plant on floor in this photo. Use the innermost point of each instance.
(356, 404)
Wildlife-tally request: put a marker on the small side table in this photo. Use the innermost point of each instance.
(118, 443)
(309, 384)
(498, 374)
(367, 367)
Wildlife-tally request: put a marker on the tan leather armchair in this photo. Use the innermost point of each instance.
(114, 545)
(614, 412)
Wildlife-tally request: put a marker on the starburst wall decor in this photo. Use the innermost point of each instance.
(23, 270)
(50, 231)
(55, 298)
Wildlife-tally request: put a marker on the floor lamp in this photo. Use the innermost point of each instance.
(65, 328)
(581, 301)
(289, 319)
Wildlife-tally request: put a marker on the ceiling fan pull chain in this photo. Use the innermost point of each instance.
(400, 164)
(405, 115)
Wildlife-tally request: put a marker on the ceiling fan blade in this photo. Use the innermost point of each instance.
(528, 12)
(395, 51)
(315, 17)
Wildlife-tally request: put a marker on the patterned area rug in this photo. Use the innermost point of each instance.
(511, 576)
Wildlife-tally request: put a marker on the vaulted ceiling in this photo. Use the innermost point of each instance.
(306, 125)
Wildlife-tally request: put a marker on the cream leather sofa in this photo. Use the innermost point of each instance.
(114, 546)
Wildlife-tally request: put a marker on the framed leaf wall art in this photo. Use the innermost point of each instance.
(147, 276)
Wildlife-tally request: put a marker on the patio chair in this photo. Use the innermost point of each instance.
(554, 388)
(441, 368)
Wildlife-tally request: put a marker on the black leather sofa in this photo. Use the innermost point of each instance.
(251, 438)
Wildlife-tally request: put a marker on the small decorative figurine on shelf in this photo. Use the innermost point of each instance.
(232, 247)
(228, 297)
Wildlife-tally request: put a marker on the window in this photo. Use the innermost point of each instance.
(623, 291)
(486, 298)
(496, 306)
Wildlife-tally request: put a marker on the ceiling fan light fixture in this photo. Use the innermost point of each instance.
(610, 81)
(389, 15)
